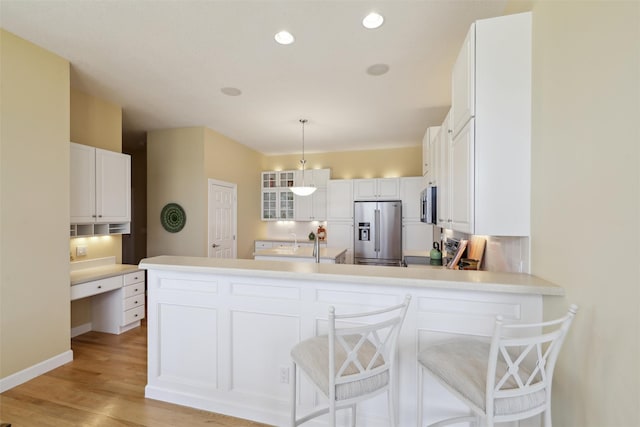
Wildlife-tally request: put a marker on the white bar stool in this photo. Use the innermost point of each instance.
(352, 363)
(507, 379)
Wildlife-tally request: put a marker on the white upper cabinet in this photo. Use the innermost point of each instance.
(410, 189)
(463, 83)
(430, 154)
(340, 200)
(376, 189)
(276, 200)
(442, 194)
(493, 127)
(100, 185)
(313, 207)
(461, 180)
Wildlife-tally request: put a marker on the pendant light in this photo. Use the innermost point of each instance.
(303, 190)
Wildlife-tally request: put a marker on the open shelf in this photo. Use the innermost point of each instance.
(87, 230)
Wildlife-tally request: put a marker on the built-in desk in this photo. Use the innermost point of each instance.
(117, 293)
(220, 330)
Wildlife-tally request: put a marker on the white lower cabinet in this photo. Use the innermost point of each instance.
(122, 309)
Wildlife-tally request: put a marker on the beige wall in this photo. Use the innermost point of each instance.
(585, 201)
(387, 163)
(229, 161)
(96, 123)
(34, 199)
(175, 174)
(179, 164)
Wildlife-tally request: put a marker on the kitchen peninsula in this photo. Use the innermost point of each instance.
(220, 330)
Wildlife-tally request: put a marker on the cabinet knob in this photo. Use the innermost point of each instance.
(135, 290)
(99, 286)
(135, 302)
(135, 315)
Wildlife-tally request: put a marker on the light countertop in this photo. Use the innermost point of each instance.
(301, 252)
(436, 278)
(102, 268)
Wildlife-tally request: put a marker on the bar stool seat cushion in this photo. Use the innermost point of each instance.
(462, 365)
(312, 356)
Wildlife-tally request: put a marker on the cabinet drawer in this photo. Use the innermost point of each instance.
(95, 287)
(135, 289)
(133, 302)
(132, 315)
(135, 277)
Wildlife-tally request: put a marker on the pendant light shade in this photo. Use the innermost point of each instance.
(303, 190)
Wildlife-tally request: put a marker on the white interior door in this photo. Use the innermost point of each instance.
(222, 219)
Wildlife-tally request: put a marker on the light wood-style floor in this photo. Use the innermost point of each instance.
(103, 386)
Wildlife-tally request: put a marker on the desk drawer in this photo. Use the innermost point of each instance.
(95, 287)
(132, 315)
(133, 302)
(135, 277)
(135, 289)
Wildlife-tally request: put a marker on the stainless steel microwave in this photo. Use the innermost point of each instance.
(428, 211)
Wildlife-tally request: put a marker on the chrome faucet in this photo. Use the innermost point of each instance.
(316, 249)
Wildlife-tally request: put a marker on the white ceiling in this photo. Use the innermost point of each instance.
(165, 62)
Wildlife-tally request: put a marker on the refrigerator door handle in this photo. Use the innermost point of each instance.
(377, 235)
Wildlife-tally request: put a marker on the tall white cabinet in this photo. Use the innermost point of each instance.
(340, 216)
(416, 235)
(100, 190)
(490, 121)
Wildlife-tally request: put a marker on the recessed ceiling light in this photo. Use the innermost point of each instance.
(231, 91)
(377, 69)
(284, 37)
(372, 20)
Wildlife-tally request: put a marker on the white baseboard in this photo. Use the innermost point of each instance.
(34, 371)
(81, 329)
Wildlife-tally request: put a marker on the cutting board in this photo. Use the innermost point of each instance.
(476, 249)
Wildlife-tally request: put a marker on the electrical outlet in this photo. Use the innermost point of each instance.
(284, 375)
(81, 251)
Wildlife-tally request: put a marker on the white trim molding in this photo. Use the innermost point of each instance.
(34, 371)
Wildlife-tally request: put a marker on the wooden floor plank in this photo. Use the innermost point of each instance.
(103, 386)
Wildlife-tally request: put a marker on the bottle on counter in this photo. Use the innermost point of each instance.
(322, 233)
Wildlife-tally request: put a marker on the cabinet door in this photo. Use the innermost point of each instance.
(340, 200)
(426, 148)
(113, 186)
(462, 174)
(417, 236)
(269, 205)
(442, 195)
(286, 178)
(321, 177)
(269, 179)
(319, 205)
(463, 84)
(304, 207)
(82, 183)
(340, 235)
(410, 189)
(434, 156)
(388, 188)
(429, 159)
(365, 189)
(286, 203)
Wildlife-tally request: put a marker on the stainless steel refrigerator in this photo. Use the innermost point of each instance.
(378, 233)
